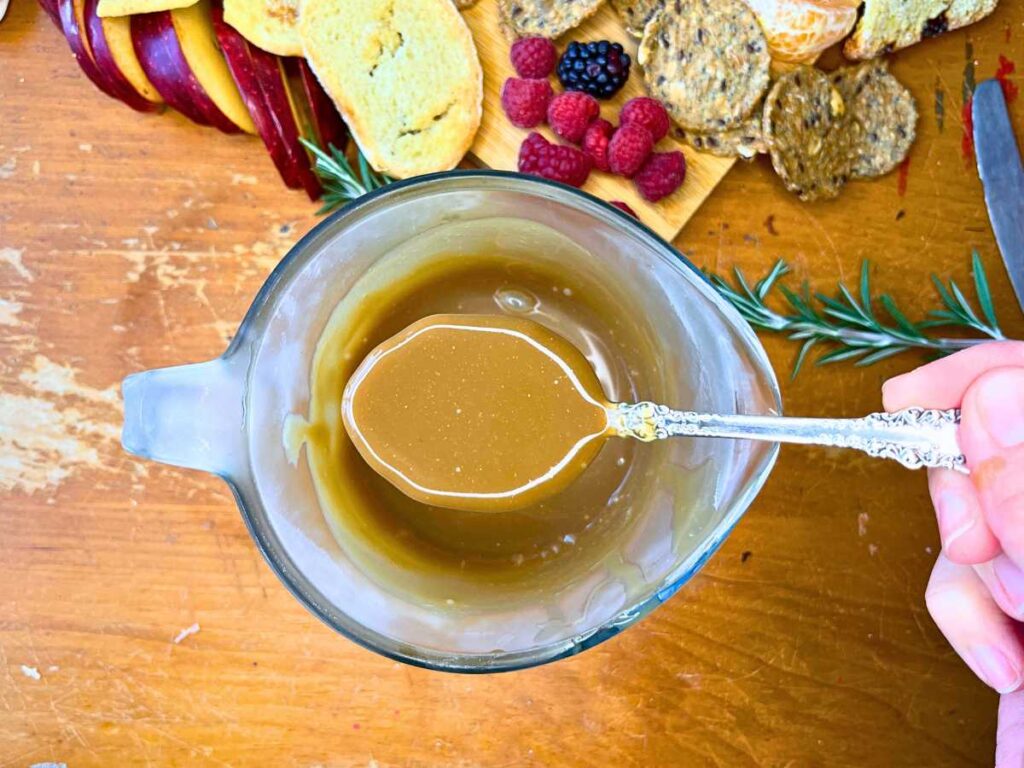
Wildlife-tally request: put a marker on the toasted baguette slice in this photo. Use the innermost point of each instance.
(888, 25)
(404, 74)
(268, 24)
(131, 7)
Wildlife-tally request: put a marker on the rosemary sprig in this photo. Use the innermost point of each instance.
(341, 182)
(852, 326)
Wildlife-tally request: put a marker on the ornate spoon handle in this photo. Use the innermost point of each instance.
(915, 437)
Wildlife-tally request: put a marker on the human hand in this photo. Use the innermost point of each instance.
(976, 590)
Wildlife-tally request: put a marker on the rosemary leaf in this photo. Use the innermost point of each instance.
(837, 355)
(901, 320)
(802, 355)
(982, 289)
(865, 285)
(880, 354)
(764, 285)
(943, 293)
(964, 305)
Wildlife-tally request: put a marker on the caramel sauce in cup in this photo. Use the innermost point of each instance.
(487, 413)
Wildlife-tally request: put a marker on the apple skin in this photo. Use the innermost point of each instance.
(156, 46)
(326, 119)
(236, 51)
(270, 75)
(105, 62)
(80, 48)
(163, 61)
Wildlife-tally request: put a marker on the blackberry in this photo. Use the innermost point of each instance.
(599, 68)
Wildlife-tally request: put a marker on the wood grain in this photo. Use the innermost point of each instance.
(131, 241)
(497, 143)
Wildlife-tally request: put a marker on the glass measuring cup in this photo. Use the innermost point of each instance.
(226, 416)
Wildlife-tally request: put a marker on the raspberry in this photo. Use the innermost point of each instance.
(539, 157)
(625, 208)
(534, 57)
(570, 113)
(629, 147)
(526, 101)
(595, 142)
(647, 112)
(661, 175)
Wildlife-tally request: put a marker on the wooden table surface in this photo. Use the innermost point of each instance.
(131, 241)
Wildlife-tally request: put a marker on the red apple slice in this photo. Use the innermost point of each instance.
(328, 123)
(193, 26)
(117, 31)
(267, 68)
(156, 47)
(236, 52)
(301, 110)
(71, 22)
(104, 57)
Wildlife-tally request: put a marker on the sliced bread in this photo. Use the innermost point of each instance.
(404, 74)
(268, 24)
(888, 25)
(134, 7)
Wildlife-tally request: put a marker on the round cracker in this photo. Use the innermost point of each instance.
(544, 18)
(707, 61)
(809, 136)
(886, 113)
(636, 13)
(746, 141)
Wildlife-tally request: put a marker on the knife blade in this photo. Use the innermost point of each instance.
(1002, 177)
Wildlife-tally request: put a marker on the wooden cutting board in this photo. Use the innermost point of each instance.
(497, 143)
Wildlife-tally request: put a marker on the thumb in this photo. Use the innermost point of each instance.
(992, 439)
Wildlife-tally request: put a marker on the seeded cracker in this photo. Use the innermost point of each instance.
(810, 138)
(746, 141)
(544, 18)
(886, 113)
(707, 60)
(636, 13)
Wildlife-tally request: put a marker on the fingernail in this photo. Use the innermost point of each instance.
(993, 666)
(1011, 579)
(1001, 406)
(955, 516)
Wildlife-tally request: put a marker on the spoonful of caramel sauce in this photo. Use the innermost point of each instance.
(479, 412)
(493, 413)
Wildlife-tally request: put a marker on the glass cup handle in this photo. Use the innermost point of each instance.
(190, 415)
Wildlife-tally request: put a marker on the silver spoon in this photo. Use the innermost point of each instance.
(915, 437)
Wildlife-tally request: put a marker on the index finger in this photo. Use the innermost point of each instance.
(942, 384)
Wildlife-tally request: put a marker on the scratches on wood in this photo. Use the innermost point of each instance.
(55, 426)
(12, 258)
